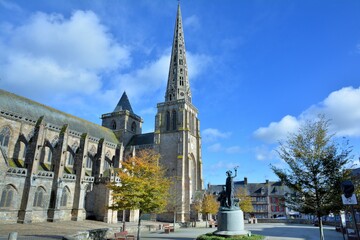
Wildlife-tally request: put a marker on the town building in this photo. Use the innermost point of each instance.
(55, 166)
(267, 197)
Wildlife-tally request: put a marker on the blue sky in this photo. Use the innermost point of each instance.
(257, 69)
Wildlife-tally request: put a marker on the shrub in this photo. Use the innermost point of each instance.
(211, 236)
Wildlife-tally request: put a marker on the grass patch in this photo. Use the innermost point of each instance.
(211, 236)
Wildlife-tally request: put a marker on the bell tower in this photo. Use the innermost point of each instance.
(177, 129)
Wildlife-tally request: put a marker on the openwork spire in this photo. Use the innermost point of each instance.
(178, 86)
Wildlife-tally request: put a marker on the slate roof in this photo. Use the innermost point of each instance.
(29, 109)
(355, 171)
(142, 139)
(123, 104)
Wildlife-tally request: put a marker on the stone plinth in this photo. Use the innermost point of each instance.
(230, 223)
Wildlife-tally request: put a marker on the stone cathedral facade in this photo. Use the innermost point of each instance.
(55, 166)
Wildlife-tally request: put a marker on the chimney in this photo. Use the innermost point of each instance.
(245, 180)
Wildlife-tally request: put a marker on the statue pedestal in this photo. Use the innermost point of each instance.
(230, 223)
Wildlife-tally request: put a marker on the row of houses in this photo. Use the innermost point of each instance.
(267, 198)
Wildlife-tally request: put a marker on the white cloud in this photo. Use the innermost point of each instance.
(60, 60)
(341, 107)
(197, 64)
(277, 130)
(146, 80)
(212, 134)
(81, 41)
(54, 56)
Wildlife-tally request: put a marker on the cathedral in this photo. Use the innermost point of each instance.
(55, 166)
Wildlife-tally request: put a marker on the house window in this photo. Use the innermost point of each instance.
(39, 197)
(7, 196)
(4, 138)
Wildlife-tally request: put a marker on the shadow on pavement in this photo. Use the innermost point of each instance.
(40, 237)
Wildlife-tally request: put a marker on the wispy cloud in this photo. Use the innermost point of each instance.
(192, 23)
(233, 149)
(10, 5)
(213, 134)
(263, 152)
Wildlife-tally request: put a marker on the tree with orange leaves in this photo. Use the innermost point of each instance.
(142, 186)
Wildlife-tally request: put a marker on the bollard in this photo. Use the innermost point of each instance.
(12, 236)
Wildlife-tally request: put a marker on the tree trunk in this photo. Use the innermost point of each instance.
(139, 224)
(174, 220)
(320, 227)
(206, 219)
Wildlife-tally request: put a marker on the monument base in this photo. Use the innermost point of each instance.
(230, 223)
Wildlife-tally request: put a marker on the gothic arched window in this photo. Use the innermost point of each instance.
(107, 163)
(113, 125)
(167, 120)
(70, 158)
(64, 197)
(7, 196)
(89, 162)
(133, 127)
(24, 148)
(5, 138)
(48, 154)
(39, 197)
(174, 120)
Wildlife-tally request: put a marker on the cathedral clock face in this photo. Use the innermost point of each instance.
(182, 94)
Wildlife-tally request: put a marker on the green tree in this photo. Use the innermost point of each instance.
(209, 205)
(316, 165)
(245, 200)
(143, 185)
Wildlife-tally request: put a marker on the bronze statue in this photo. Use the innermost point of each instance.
(222, 198)
(230, 189)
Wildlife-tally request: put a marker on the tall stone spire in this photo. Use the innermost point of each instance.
(178, 86)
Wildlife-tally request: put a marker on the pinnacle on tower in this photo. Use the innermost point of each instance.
(178, 86)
